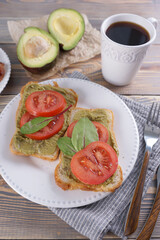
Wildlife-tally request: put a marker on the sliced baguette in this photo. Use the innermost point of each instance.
(63, 175)
(33, 143)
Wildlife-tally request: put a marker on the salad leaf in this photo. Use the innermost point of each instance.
(35, 125)
(84, 133)
(66, 146)
(40, 122)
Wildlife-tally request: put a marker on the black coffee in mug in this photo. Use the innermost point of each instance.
(127, 33)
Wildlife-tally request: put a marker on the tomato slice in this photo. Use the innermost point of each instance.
(45, 103)
(70, 129)
(101, 129)
(51, 129)
(2, 71)
(95, 163)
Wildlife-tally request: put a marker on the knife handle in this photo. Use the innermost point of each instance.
(134, 210)
(146, 233)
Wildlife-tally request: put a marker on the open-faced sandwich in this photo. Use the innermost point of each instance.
(42, 118)
(89, 152)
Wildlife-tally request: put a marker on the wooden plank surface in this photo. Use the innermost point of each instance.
(147, 80)
(28, 8)
(20, 218)
(96, 22)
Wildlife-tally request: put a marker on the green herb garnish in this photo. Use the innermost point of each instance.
(66, 146)
(40, 122)
(84, 133)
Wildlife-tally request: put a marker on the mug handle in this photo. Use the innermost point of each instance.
(153, 21)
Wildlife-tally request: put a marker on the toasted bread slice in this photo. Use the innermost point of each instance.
(63, 175)
(45, 149)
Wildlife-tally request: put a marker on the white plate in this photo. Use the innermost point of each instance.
(33, 178)
(4, 59)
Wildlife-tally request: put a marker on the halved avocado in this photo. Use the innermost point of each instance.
(67, 27)
(37, 50)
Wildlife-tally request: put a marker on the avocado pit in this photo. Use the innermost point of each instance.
(36, 46)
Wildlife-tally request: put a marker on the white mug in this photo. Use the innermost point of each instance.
(121, 62)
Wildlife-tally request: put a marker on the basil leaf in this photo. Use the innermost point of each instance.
(84, 133)
(35, 125)
(65, 145)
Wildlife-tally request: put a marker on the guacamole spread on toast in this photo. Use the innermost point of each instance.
(99, 115)
(46, 147)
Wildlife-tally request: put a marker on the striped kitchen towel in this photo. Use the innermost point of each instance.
(108, 214)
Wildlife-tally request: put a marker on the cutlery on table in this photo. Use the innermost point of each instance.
(147, 230)
(151, 134)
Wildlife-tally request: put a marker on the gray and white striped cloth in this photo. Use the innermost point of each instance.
(108, 214)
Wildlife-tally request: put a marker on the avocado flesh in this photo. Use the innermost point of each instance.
(37, 50)
(67, 27)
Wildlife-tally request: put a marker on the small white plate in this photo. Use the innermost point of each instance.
(33, 178)
(5, 59)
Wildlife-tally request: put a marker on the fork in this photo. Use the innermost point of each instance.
(151, 135)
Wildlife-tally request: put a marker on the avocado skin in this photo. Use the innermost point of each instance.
(40, 69)
(63, 50)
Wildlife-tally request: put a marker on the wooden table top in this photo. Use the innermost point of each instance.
(20, 218)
